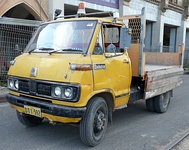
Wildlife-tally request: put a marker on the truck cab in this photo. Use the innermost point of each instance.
(69, 65)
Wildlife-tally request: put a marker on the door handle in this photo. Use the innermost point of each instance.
(126, 61)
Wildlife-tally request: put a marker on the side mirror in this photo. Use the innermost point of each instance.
(57, 13)
(125, 38)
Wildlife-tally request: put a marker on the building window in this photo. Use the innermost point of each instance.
(148, 38)
(174, 1)
(169, 39)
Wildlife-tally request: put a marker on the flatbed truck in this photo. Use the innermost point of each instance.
(80, 70)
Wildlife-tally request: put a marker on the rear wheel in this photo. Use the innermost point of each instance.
(150, 104)
(28, 120)
(94, 123)
(161, 102)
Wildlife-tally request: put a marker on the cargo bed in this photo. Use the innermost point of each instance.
(160, 72)
(149, 67)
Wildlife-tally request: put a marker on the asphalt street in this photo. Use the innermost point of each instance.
(133, 128)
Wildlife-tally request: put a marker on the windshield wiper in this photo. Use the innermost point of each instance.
(42, 48)
(31, 50)
(45, 48)
(68, 49)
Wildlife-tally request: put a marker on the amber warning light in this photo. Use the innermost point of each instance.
(81, 9)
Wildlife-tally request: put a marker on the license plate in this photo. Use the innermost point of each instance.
(34, 111)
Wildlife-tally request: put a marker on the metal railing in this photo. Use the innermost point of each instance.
(148, 48)
(169, 49)
(154, 1)
(173, 1)
(14, 36)
(135, 25)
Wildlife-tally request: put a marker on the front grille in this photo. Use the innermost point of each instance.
(23, 86)
(44, 89)
(34, 87)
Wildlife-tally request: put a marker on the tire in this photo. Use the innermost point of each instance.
(150, 104)
(28, 120)
(94, 123)
(161, 102)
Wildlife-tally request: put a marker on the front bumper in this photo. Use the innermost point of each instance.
(47, 107)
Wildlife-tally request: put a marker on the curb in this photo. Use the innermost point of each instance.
(3, 97)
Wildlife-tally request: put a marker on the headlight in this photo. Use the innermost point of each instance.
(16, 84)
(57, 91)
(11, 83)
(68, 92)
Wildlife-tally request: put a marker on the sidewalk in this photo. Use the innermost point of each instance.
(3, 93)
(186, 72)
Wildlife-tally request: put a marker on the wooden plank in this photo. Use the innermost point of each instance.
(134, 54)
(158, 82)
(181, 51)
(163, 82)
(150, 68)
(126, 17)
(157, 58)
(158, 91)
(156, 75)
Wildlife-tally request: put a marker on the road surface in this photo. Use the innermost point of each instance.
(133, 128)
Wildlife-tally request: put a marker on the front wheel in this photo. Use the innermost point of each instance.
(28, 120)
(94, 123)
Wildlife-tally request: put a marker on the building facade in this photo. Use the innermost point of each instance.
(167, 22)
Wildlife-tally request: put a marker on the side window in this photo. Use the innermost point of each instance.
(111, 39)
(98, 49)
(111, 35)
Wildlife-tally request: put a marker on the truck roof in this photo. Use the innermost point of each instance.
(105, 20)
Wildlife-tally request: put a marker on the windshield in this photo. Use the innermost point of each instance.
(74, 36)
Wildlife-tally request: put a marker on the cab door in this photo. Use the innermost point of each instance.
(111, 66)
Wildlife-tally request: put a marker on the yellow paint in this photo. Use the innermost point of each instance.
(14, 93)
(115, 78)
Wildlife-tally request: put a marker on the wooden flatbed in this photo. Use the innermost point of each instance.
(160, 72)
(149, 67)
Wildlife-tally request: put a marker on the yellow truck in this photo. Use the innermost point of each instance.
(80, 70)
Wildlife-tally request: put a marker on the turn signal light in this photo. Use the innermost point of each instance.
(81, 67)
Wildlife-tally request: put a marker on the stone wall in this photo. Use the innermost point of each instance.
(40, 12)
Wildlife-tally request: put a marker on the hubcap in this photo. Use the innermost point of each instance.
(99, 121)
